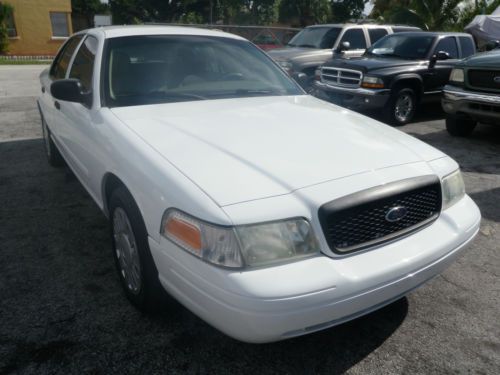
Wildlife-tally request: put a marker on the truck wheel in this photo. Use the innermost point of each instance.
(459, 126)
(401, 107)
(53, 156)
(134, 262)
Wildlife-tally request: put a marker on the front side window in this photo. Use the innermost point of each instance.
(376, 34)
(166, 68)
(355, 37)
(448, 45)
(402, 46)
(316, 37)
(10, 24)
(83, 64)
(61, 62)
(59, 22)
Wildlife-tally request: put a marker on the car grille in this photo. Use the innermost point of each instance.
(361, 220)
(484, 79)
(341, 77)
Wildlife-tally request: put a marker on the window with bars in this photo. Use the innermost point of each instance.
(59, 21)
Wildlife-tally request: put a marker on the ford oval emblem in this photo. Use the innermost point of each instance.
(497, 79)
(396, 213)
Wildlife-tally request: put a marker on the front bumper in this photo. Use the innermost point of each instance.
(274, 303)
(353, 98)
(484, 107)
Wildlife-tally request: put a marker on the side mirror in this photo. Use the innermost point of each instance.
(71, 90)
(344, 46)
(492, 44)
(441, 55)
(302, 79)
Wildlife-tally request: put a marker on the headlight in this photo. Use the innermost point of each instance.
(372, 82)
(457, 75)
(453, 189)
(239, 246)
(287, 66)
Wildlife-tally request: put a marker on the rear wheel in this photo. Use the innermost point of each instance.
(134, 263)
(460, 125)
(53, 156)
(401, 107)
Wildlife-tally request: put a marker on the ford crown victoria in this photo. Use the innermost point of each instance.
(267, 212)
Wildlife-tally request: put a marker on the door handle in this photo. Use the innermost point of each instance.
(57, 105)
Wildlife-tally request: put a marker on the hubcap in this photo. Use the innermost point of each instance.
(126, 251)
(404, 107)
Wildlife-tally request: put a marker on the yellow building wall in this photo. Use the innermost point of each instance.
(34, 29)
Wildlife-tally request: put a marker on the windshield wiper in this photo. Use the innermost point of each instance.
(257, 91)
(176, 95)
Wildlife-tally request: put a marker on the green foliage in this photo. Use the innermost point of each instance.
(345, 10)
(304, 12)
(5, 10)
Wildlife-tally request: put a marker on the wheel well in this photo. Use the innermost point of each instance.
(110, 183)
(412, 83)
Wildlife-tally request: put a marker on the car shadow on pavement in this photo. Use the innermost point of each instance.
(63, 310)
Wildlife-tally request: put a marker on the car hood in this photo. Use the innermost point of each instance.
(290, 53)
(369, 63)
(239, 150)
(483, 60)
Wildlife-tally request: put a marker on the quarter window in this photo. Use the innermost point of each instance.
(467, 46)
(449, 45)
(10, 24)
(83, 64)
(59, 21)
(61, 62)
(355, 37)
(376, 34)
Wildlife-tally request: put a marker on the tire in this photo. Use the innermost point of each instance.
(396, 114)
(460, 126)
(133, 260)
(53, 155)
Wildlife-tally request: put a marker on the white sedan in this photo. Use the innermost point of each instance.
(265, 211)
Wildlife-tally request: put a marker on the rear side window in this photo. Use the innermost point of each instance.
(355, 37)
(61, 62)
(449, 45)
(376, 34)
(83, 64)
(467, 46)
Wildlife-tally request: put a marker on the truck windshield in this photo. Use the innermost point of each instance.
(402, 46)
(172, 68)
(316, 37)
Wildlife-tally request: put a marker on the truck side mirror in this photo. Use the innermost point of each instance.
(441, 55)
(492, 44)
(302, 79)
(344, 46)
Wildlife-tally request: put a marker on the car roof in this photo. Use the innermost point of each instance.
(133, 30)
(434, 33)
(361, 24)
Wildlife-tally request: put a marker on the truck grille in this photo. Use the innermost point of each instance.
(341, 77)
(484, 79)
(362, 219)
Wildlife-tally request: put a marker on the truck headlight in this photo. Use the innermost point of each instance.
(372, 82)
(457, 75)
(240, 246)
(453, 189)
(287, 66)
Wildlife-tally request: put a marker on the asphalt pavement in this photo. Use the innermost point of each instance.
(62, 310)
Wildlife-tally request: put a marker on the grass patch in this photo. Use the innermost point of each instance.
(23, 62)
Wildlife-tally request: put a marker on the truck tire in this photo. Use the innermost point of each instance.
(460, 126)
(401, 106)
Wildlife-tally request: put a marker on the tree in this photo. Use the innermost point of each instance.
(5, 11)
(345, 10)
(87, 9)
(304, 12)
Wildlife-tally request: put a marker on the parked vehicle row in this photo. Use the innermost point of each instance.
(267, 212)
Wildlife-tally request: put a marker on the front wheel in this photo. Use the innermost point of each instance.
(401, 107)
(459, 126)
(133, 259)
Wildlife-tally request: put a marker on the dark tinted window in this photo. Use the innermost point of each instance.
(376, 34)
(402, 45)
(467, 46)
(355, 37)
(449, 45)
(316, 37)
(404, 29)
(61, 62)
(166, 68)
(83, 64)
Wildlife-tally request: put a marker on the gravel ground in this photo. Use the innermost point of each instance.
(62, 310)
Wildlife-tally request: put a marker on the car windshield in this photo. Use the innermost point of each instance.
(171, 68)
(316, 37)
(402, 46)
